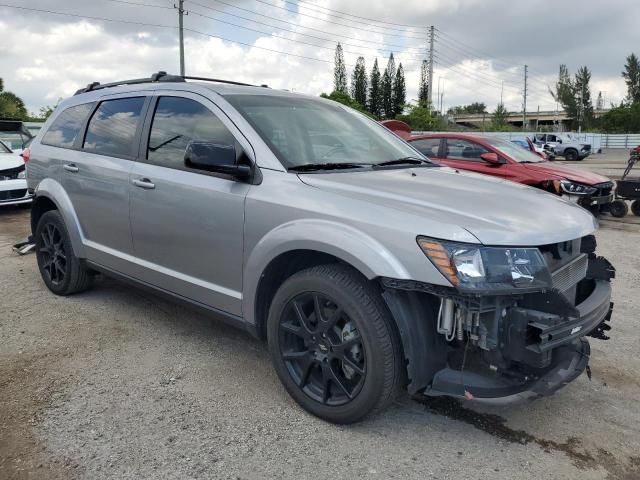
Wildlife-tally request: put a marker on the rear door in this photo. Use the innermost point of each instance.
(188, 224)
(96, 177)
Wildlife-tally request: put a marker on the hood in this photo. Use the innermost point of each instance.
(495, 211)
(10, 160)
(557, 172)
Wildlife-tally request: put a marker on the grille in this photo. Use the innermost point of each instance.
(570, 274)
(604, 188)
(11, 173)
(12, 194)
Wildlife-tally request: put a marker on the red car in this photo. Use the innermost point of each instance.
(501, 158)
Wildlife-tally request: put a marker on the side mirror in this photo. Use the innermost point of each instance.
(214, 157)
(491, 158)
(559, 141)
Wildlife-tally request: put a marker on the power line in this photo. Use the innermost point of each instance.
(406, 55)
(384, 44)
(131, 22)
(152, 5)
(337, 23)
(303, 3)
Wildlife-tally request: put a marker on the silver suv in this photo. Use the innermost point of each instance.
(366, 267)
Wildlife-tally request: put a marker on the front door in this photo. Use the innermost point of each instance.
(188, 224)
(465, 155)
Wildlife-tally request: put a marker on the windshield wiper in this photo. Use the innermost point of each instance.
(405, 161)
(308, 167)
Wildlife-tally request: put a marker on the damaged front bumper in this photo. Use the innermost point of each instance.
(505, 348)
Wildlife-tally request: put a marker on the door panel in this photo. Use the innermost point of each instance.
(96, 179)
(188, 228)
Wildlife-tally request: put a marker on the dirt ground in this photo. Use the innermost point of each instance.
(115, 383)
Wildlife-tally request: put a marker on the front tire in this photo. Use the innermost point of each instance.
(333, 344)
(62, 272)
(635, 208)
(571, 155)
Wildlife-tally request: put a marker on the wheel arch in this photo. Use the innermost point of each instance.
(50, 195)
(298, 245)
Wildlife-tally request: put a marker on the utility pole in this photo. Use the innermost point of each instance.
(181, 12)
(430, 86)
(524, 98)
(502, 93)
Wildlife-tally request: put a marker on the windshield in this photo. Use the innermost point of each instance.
(514, 151)
(14, 140)
(306, 131)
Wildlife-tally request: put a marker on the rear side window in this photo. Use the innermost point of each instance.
(427, 146)
(65, 128)
(178, 121)
(112, 128)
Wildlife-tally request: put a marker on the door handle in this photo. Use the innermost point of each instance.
(71, 168)
(144, 183)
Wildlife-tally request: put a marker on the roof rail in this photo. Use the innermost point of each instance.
(159, 77)
(156, 77)
(217, 80)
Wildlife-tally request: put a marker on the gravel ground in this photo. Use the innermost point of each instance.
(115, 383)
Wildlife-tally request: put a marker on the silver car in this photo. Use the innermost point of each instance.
(367, 268)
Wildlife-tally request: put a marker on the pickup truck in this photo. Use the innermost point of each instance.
(564, 145)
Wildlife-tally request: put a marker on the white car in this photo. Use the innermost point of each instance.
(13, 183)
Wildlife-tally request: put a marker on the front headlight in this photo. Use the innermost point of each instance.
(22, 174)
(480, 268)
(573, 188)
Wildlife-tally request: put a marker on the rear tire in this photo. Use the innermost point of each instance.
(618, 208)
(329, 322)
(635, 208)
(62, 272)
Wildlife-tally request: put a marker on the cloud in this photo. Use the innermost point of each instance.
(479, 44)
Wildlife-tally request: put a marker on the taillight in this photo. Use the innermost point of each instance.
(25, 155)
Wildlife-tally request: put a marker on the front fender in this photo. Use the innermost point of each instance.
(348, 244)
(52, 190)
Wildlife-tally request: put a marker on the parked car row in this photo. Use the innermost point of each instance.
(367, 267)
(503, 159)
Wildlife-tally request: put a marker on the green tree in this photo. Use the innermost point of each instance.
(359, 82)
(399, 91)
(345, 99)
(375, 91)
(623, 118)
(563, 93)
(475, 107)
(339, 72)
(11, 106)
(420, 118)
(388, 79)
(582, 94)
(499, 118)
(631, 77)
(423, 86)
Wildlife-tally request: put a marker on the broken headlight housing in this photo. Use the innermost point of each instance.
(488, 269)
(573, 188)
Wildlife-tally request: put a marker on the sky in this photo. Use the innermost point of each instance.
(481, 46)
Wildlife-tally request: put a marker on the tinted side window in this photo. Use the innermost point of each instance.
(459, 149)
(65, 128)
(427, 146)
(178, 121)
(112, 128)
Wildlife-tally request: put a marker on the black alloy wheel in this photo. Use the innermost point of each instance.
(334, 344)
(54, 258)
(635, 208)
(63, 273)
(322, 349)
